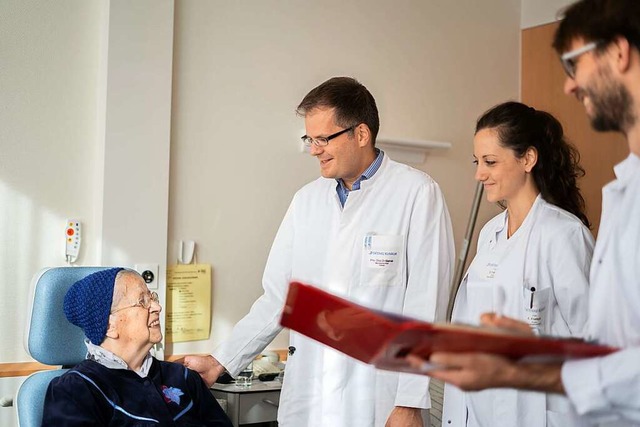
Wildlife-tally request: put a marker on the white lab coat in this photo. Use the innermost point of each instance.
(320, 243)
(551, 252)
(606, 390)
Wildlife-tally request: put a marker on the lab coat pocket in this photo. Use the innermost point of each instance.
(480, 298)
(536, 308)
(382, 259)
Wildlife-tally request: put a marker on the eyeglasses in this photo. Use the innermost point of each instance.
(570, 59)
(144, 302)
(323, 141)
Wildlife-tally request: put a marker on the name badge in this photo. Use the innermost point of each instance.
(382, 259)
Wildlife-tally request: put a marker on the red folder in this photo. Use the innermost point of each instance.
(383, 339)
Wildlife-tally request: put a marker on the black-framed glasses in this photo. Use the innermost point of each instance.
(324, 140)
(570, 59)
(144, 302)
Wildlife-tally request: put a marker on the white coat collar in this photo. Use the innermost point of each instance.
(626, 170)
(501, 223)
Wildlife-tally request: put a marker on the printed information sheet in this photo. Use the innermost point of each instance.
(188, 302)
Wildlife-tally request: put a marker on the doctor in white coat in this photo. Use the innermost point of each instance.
(533, 259)
(372, 230)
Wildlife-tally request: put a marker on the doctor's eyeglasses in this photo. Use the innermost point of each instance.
(570, 59)
(144, 302)
(323, 141)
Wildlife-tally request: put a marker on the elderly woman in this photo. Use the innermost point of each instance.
(120, 383)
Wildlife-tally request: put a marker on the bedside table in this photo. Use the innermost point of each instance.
(257, 403)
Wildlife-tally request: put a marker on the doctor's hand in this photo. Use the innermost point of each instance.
(208, 367)
(402, 416)
(480, 371)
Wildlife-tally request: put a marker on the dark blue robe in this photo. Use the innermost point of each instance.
(93, 395)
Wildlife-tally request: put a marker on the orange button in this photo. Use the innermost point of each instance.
(70, 231)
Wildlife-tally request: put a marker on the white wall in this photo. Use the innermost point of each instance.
(86, 88)
(78, 123)
(240, 69)
(540, 12)
(48, 78)
(87, 95)
(136, 139)
(48, 104)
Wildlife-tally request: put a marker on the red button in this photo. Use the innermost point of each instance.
(70, 231)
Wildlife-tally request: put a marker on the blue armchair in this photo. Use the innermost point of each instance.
(49, 338)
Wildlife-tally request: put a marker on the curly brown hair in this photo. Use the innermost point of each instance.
(520, 127)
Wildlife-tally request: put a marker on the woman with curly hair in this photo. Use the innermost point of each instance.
(532, 261)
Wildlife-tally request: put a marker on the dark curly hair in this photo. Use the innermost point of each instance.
(520, 127)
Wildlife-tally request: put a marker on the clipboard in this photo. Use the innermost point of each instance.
(383, 339)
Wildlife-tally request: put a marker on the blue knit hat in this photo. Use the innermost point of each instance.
(87, 303)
